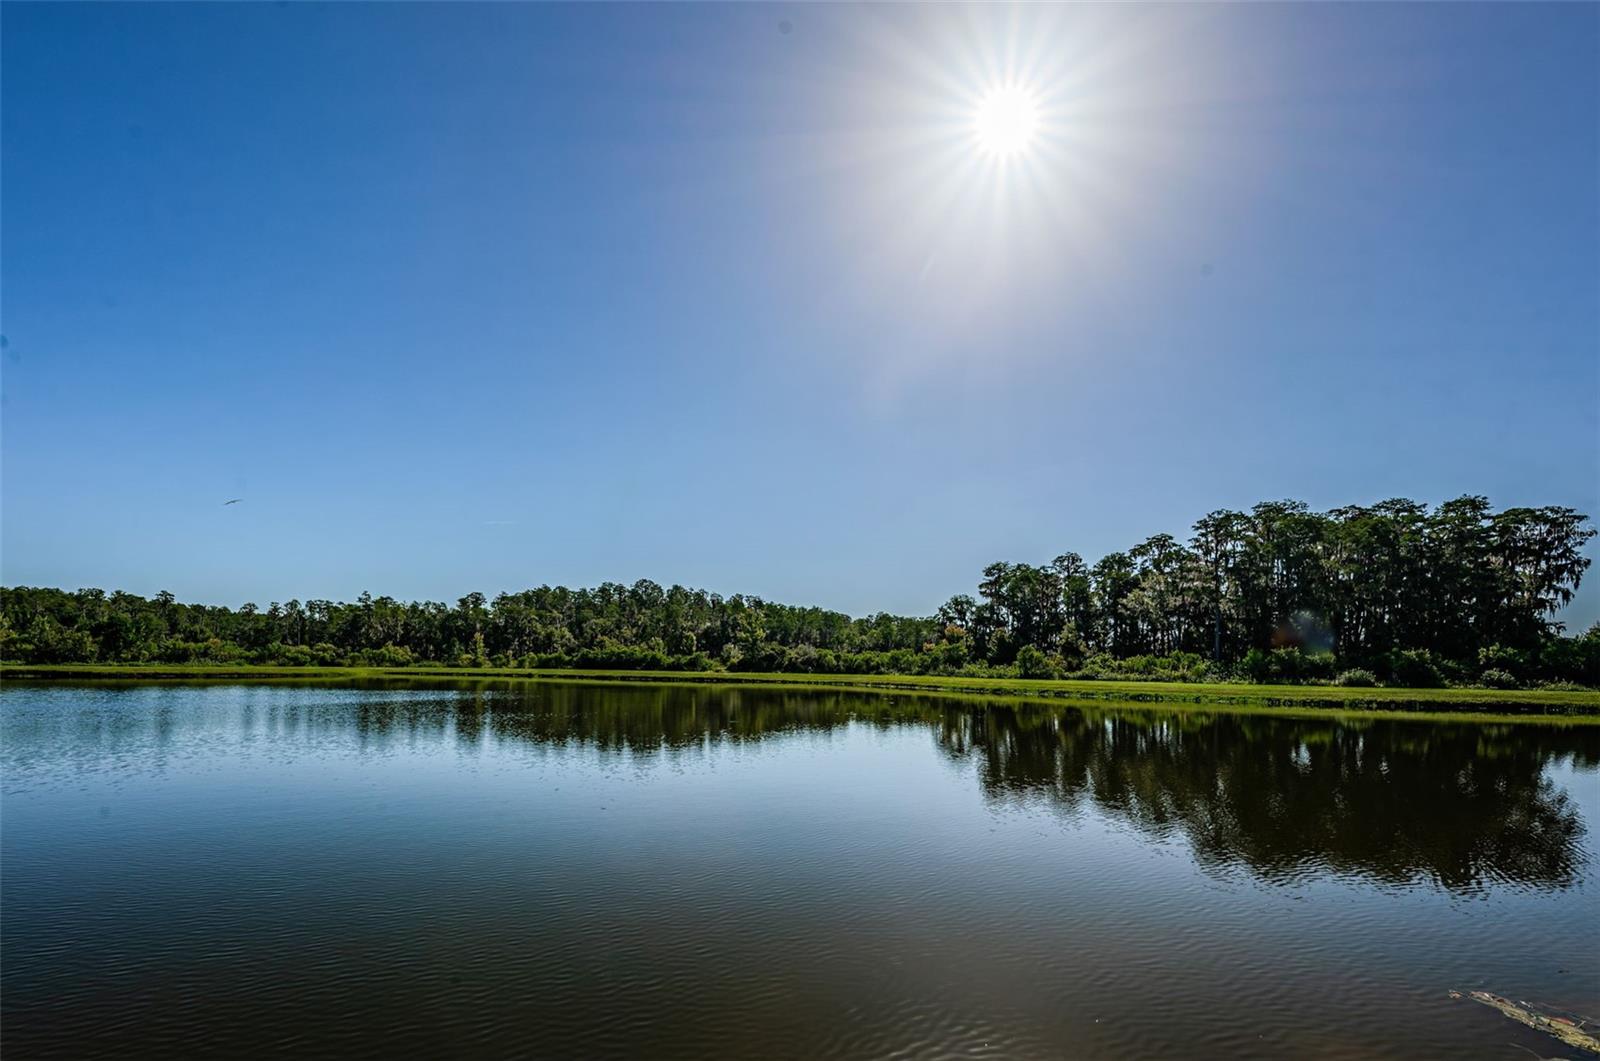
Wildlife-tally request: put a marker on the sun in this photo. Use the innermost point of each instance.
(1006, 121)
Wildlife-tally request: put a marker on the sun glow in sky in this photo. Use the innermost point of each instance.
(984, 168)
(1006, 122)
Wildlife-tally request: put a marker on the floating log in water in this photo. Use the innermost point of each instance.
(1568, 1031)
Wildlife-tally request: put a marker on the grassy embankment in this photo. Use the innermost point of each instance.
(1476, 701)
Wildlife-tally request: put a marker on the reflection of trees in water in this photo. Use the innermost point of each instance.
(1397, 801)
(649, 720)
(1461, 804)
(643, 719)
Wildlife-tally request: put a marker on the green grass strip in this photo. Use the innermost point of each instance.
(1502, 702)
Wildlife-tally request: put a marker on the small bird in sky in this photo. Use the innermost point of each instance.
(235, 501)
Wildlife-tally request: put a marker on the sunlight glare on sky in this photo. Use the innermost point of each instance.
(1006, 121)
(991, 165)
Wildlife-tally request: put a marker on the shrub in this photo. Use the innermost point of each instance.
(1073, 651)
(983, 670)
(611, 655)
(1099, 665)
(47, 641)
(695, 661)
(1256, 666)
(801, 658)
(1174, 667)
(1357, 678)
(1507, 660)
(1415, 668)
(211, 650)
(1285, 665)
(288, 655)
(1495, 678)
(388, 656)
(1573, 659)
(946, 657)
(1033, 663)
(765, 657)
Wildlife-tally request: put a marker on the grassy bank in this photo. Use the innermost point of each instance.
(1497, 701)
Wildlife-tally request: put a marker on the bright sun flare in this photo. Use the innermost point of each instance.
(1006, 122)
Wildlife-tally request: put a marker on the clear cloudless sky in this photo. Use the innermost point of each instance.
(478, 297)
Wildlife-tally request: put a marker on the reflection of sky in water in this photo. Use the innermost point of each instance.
(874, 872)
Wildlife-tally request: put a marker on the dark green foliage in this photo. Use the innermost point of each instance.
(1173, 667)
(385, 656)
(1282, 665)
(1494, 678)
(1414, 596)
(612, 655)
(1033, 663)
(1574, 659)
(1415, 668)
(1512, 661)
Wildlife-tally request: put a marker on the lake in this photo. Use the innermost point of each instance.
(590, 871)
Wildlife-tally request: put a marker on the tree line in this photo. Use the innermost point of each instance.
(1393, 592)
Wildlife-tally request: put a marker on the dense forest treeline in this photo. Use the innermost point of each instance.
(1394, 592)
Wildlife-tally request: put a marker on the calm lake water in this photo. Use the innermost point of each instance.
(595, 871)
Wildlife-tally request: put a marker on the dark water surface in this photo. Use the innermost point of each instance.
(595, 871)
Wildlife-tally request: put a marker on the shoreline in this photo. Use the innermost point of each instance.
(1318, 699)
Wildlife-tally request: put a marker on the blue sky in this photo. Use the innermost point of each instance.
(477, 297)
